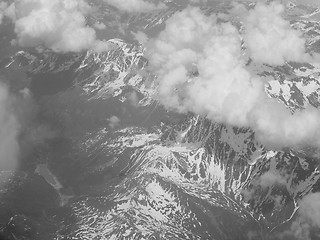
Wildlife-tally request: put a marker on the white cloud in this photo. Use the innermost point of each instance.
(194, 42)
(270, 38)
(114, 122)
(135, 5)
(201, 68)
(276, 126)
(141, 37)
(56, 24)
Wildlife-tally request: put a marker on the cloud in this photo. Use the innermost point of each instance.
(276, 126)
(264, 182)
(269, 179)
(114, 122)
(20, 130)
(33, 132)
(305, 2)
(6, 10)
(310, 209)
(133, 99)
(199, 1)
(270, 38)
(100, 26)
(9, 131)
(141, 37)
(199, 62)
(134, 6)
(201, 68)
(56, 24)
(3, 6)
(308, 218)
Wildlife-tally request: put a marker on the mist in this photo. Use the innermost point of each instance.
(9, 132)
(21, 131)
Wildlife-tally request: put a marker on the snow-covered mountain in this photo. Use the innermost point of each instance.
(156, 174)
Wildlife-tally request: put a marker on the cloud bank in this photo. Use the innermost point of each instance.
(56, 24)
(201, 68)
(134, 6)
